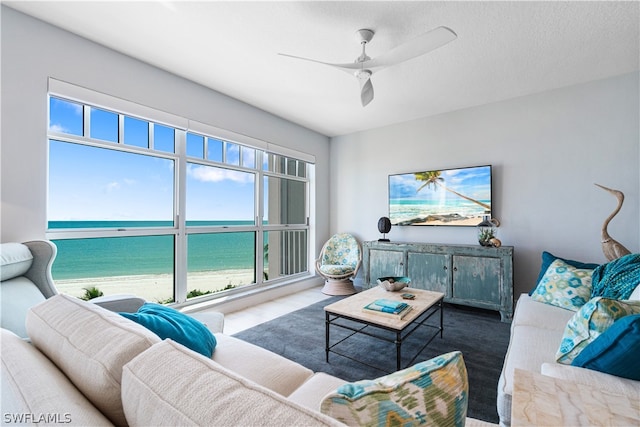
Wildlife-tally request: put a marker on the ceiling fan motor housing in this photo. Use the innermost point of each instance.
(364, 35)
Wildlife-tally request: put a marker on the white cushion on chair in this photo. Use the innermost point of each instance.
(335, 270)
(15, 260)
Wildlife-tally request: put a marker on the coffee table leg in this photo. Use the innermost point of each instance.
(441, 315)
(398, 350)
(326, 335)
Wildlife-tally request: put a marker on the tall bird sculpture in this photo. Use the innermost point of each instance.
(611, 248)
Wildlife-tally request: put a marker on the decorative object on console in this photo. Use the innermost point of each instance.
(611, 248)
(393, 284)
(384, 226)
(487, 232)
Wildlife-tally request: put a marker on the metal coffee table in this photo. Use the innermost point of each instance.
(425, 305)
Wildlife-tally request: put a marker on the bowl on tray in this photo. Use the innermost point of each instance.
(393, 284)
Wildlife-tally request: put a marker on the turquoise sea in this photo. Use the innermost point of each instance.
(124, 256)
(409, 209)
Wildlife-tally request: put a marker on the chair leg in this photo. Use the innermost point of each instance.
(338, 287)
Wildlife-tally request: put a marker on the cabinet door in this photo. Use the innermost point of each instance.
(430, 272)
(477, 278)
(384, 264)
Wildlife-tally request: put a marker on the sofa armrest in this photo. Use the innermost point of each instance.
(44, 253)
(593, 379)
(119, 302)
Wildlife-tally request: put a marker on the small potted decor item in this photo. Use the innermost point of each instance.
(393, 284)
(487, 232)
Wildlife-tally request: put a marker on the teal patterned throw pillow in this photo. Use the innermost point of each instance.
(564, 285)
(433, 393)
(594, 318)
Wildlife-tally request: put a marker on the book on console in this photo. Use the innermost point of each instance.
(389, 308)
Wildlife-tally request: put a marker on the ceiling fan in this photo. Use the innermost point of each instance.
(363, 67)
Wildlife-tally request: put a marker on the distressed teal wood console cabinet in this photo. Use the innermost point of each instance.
(470, 275)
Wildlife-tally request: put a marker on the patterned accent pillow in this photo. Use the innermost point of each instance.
(595, 317)
(434, 393)
(564, 285)
(341, 250)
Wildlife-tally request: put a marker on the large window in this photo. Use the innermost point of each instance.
(170, 214)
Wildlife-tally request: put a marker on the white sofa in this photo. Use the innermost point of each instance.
(536, 332)
(86, 365)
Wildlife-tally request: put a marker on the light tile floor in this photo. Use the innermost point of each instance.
(244, 319)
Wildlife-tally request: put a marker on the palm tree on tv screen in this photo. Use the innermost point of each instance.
(431, 178)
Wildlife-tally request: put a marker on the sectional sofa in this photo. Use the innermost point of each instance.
(86, 365)
(560, 328)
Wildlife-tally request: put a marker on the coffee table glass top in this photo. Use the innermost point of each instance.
(353, 306)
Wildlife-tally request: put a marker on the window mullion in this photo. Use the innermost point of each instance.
(181, 267)
(120, 128)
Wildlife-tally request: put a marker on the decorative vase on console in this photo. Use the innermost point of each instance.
(487, 232)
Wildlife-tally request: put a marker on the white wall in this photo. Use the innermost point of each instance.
(547, 151)
(32, 51)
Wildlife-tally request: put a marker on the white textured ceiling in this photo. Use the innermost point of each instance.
(503, 50)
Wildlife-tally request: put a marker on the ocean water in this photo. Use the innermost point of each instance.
(408, 209)
(124, 256)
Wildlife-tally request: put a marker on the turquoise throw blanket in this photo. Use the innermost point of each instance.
(616, 279)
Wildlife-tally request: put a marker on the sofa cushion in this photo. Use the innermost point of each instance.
(548, 258)
(167, 322)
(591, 321)
(564, 286)
(15, 260)
(261, 366)
(191, 389)
(529, 347)
(311, 393)
(35, 390)
(617, 279)
(533, 313)
(90, 345)
(615, 351)
(434, 392)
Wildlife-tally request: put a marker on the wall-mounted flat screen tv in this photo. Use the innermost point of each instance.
(458, 197)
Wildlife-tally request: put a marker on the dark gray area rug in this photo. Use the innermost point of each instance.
(478, 334)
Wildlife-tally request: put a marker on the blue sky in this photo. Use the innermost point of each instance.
(88, 183)
(472, 182)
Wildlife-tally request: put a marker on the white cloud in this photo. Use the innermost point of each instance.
(210, 174)
(112, 186)
(54, 127)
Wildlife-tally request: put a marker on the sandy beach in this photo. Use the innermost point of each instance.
(156, 287)
(471, 221)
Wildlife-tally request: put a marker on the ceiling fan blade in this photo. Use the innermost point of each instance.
(366, 92)
(419, 46)
(344, 67)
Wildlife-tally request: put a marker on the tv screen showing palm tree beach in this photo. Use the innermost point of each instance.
(441, 197)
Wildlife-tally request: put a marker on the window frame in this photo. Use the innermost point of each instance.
(180, 230)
